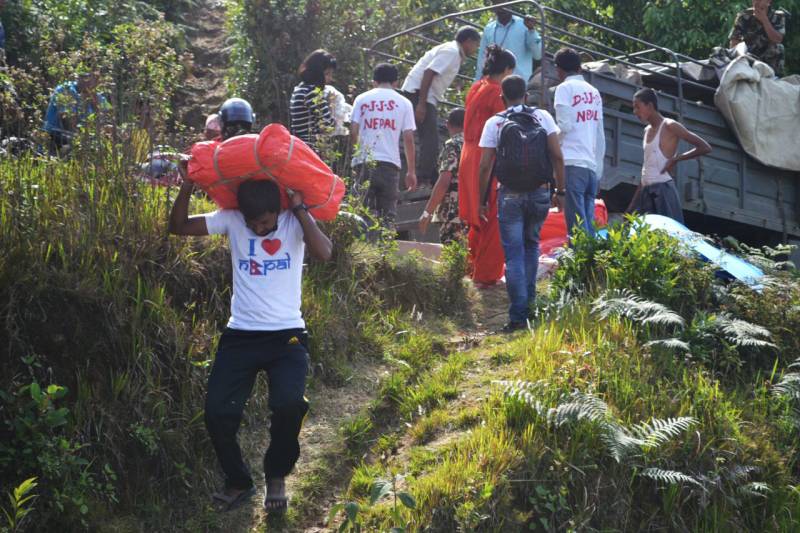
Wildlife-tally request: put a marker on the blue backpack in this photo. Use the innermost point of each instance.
(523, 161)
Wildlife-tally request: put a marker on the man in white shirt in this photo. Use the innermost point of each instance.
(378, 119)
(425, 86)
(266, 330)
(579, 112)
(520, 212)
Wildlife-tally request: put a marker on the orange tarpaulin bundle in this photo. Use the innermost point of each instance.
(554, 230)
(219, 167)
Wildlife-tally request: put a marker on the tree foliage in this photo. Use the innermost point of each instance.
(129, 43)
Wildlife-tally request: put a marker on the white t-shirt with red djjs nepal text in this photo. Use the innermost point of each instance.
(490, 137)
(382, 114)
(579, 110)
(267, 271)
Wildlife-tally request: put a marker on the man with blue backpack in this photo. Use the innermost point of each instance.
(522, 146)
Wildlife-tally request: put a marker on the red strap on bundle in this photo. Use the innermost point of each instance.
(219, 167)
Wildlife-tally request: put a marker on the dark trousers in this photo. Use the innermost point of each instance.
(240, 356)
(58, 142)
(382, 194)
(427, 142)
(661, 199)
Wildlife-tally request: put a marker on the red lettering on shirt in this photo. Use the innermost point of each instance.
(587, 98)
(379, 124)
(379, 106)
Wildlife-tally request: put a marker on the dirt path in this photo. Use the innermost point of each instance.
(204, 90)
(322, 473)
(314, 480)
(315, 483)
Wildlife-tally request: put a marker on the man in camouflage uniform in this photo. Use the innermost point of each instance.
(442, 206)
(762, 28)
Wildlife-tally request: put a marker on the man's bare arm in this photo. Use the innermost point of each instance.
(774, 36)
(180, 223)
(425, 85)
(484, 176)
(699, 146)
(557, 159)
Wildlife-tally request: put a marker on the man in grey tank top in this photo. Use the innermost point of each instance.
(657, 192)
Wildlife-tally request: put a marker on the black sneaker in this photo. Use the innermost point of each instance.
(511, 327)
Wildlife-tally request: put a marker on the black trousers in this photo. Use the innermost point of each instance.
(383, 192)
(58, 141)
(427, 142)
(240, 356)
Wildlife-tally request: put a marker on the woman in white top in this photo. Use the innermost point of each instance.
(657, 192)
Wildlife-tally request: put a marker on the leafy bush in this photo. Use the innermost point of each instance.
(37, 438)
(634, 257)
(128, 43)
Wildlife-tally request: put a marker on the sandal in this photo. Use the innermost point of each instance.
(276, 504)
(229, 503)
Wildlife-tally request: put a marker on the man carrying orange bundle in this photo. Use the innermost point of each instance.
(266, 330)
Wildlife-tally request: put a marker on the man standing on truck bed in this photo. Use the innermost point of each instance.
(657, 192)
(513, 33)
(762, 28)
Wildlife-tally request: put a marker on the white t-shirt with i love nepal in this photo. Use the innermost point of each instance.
(382, 114)
(490, 137)
(267, 271)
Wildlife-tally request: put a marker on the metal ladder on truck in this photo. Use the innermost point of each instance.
(726, 192)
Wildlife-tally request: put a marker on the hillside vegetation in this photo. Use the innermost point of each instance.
(648, 393)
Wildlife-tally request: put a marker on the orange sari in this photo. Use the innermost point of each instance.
(486, 257)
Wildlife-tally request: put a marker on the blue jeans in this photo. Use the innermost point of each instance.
(521, 216)
(581, 192)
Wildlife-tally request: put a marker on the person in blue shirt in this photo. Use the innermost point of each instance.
(70, 103)
(2, 29)
(515, 34)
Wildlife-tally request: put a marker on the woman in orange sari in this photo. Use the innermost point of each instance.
(484, 100)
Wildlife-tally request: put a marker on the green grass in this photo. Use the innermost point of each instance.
(477, 458)
(98, 299)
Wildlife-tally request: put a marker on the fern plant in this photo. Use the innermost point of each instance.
(630, 446)
(719, 341)
(788, 389)
(636, 446)
(637, 309)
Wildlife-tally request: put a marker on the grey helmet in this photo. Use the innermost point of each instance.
(237, 117)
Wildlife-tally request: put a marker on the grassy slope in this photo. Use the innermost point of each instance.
(476, 459)
(101, 301)
(539, 432)
(98, 299)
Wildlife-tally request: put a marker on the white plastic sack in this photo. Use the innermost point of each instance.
(763, 112)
